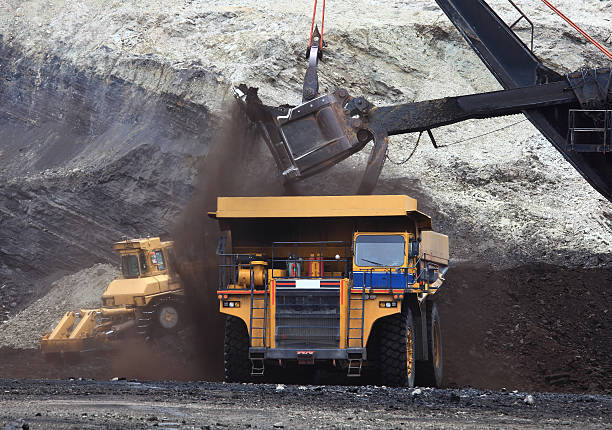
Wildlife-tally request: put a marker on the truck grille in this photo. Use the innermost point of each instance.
(307, 318)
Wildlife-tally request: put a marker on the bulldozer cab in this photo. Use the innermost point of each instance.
(144, 257)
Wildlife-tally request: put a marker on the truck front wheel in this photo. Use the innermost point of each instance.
(237, 366)
(396, 350)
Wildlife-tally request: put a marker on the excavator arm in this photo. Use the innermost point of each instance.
(571, 111)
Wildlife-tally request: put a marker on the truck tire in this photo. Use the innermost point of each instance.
(397, 350)
(429, 372)
(237, 366)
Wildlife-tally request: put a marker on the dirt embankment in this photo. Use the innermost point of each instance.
(538, 327)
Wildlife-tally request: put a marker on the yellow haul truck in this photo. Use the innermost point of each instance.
(147, 298)
(346, 281)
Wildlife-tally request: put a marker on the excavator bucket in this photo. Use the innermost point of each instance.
(304, 139)
(317, 134)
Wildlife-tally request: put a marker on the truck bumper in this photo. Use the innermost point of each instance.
(317, 354)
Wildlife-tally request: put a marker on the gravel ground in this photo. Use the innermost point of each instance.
(170, 405)
(80, 290)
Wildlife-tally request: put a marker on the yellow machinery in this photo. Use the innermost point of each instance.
(346, 281)
(146, 298)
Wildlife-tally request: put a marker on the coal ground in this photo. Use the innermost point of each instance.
(526, 328)
(205, 405)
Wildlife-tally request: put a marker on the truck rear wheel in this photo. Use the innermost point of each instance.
(429, 372)
(237, 366)
(396, 350)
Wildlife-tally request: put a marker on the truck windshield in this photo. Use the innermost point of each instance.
(374, 250)
(129, 266)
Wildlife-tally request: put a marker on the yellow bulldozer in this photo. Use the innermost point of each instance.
(147, 299)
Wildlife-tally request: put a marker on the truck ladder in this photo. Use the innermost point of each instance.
(354, 330)
(257, 327)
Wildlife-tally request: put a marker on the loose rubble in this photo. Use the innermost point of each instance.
(213, 405)
(80, 290)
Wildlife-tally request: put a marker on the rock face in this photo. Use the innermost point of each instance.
(84, 86)
(86, 160)
(106, 108)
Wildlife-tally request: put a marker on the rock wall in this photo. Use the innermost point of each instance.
(107, 79)
(86, 159)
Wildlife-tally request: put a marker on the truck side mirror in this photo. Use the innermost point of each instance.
(430, 275)
(413, 248)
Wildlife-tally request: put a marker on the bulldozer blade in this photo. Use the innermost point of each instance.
(70, 335)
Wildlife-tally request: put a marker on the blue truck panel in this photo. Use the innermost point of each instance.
(381, 279)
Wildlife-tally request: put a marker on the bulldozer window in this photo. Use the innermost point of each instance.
(129, 266)
(384, 250)
(158, 259)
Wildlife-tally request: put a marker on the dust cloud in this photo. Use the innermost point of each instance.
(237, 164)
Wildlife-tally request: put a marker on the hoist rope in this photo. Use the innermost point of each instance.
(482, 135)
(314, 15)
(578, 29)
(399, 163)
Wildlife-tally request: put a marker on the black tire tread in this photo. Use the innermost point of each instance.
(392, 349)
(426, 370)
(237, 366)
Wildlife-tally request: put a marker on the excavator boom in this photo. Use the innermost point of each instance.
(574, 111)
(514, 65)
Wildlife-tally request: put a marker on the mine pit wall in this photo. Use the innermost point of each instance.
(87, 158)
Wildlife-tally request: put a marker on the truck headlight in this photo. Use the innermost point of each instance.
(231, 304)
(382, 304)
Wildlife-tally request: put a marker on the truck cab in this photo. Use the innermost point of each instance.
(311, 280)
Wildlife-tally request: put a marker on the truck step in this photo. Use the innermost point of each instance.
(354, 368)
(257, 367)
